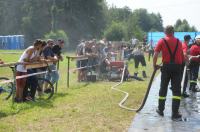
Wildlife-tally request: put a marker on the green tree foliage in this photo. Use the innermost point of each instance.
(148, 22)
(59, 34)
(34, 18)
(183, 26)
(136, 22)
(78, 19)
(116, 32)
(119, 14)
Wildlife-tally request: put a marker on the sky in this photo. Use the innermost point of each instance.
(170, 10)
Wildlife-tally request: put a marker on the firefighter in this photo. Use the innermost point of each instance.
(139, 58)
(194, 64)
(186, 63)
(172, 58)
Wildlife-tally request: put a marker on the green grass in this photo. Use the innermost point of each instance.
(82, 107)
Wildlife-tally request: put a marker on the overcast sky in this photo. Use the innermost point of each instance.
(170, 10)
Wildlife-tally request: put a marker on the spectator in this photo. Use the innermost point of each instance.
(80, 51)
(49, 54)
(31, 83)
(29, 55)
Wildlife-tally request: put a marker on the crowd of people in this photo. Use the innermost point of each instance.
(40, 51)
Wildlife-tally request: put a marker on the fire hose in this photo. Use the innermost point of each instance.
(127, 94)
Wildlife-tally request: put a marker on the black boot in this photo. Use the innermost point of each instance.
(144, 74)
(161, 113)
(185, 95)
(161, 107)
(195, 89)
(176, 116)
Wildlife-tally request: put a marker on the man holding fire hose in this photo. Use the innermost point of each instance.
(172, 58)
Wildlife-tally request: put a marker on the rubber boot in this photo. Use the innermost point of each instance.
(161, 107)
(176, 116)
(144, 74)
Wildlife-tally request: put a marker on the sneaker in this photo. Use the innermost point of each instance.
(29, 98)
(185, 95)
(160, 112)
(177, 117)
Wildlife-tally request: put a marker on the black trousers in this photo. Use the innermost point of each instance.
(151, 52)
(194, 71)
(31, 84)
(139, 59)
(170, 73)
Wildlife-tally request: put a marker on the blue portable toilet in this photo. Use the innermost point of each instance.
(16, 40)
(1, 44)
(21, 41)
(12, 43)
(6, 42)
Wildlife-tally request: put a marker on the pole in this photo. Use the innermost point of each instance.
(68, 64)
(57, 70)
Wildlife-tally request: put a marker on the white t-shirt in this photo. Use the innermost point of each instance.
(21, 68)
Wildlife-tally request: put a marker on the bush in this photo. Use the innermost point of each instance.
(116, 32)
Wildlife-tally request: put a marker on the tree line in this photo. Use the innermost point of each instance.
(74, 20)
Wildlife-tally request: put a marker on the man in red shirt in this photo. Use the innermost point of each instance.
(186, 63)
(172, 58)
(194, 64)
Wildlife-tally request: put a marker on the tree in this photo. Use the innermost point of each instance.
(147, 21)
(183, 26)
(116, 32)
(119, 14)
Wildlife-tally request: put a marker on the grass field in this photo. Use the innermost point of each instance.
(81, 107)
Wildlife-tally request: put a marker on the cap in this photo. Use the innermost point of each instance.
(197, 37)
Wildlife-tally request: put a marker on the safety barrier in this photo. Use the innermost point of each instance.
(27, 65)
(77, 58)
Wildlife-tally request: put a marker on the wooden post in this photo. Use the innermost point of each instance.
(68, 64)
(57, 70)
